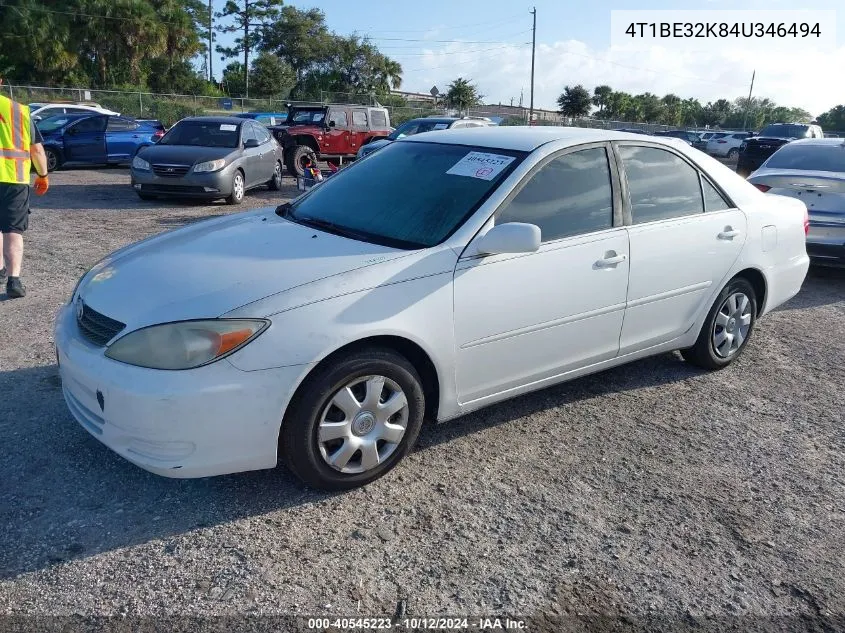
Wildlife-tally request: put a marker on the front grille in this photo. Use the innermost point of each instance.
(171, 171)
(171, 189)
(96, 327)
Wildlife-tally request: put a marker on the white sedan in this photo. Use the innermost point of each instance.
(447, 272)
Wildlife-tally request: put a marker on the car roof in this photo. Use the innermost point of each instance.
(830, 142)
(527, 139)
(215, 119)
(252, 115)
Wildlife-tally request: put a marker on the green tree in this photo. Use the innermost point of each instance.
(672, 113)
(833, 119)
(300, 38)
(462, 94)
(251, 19)
(651, 107)
(233, 81)
(574, 101)
(271, 77)
(601, 99)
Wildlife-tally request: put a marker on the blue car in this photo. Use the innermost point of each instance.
(97, 139)
(265, 118)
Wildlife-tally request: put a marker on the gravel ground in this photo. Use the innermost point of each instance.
(652, 490)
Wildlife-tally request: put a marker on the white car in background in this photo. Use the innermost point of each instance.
(726, 144)
(53, 109)
(487, 263)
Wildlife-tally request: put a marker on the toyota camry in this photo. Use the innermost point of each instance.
(485, 264)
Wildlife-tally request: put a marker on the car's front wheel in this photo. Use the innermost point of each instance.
(727, 328)
(238, 189)
(732, 154)
(298, 158)
(53, 162)
(353, 420)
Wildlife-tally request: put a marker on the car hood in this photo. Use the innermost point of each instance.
(770, 139)
(213, 267)
(183, 154)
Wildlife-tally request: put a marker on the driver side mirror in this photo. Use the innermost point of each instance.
(250, 143)
(511, 237)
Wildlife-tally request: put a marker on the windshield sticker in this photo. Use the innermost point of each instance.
(441, 126)
(480, 165)
(228, 127)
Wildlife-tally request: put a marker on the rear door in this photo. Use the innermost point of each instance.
(684, 236)
(360, 128)
(85, 141)
(122, 139)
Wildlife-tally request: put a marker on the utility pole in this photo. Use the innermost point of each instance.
(246, 49)
(533, 48)
(210, 46)
(748, 103)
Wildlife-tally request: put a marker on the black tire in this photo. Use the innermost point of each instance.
(275, 183)
(299, 445)
(53, 160)
(296, 159)
(704, 353)
(238, 188)
(733, 154)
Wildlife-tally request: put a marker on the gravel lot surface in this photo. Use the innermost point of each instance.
(653, 489)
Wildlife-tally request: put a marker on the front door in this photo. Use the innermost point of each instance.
(520, 319)
(86, 141)
(685, 237)
(336, 138)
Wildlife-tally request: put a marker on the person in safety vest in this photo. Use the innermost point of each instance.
(21, 149)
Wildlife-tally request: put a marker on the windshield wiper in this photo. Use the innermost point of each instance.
(330, 227)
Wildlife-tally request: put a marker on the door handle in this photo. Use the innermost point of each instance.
(611, 259)
(728, 234)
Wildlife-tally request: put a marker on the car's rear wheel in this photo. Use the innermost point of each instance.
(53, 162)
(297, 159)
(727, 328)
(353, 420)
(238, 189)
(275, 183)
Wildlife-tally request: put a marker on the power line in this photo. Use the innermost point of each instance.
(83, 15)
(472, 50)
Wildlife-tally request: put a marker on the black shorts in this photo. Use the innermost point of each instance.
(14, 208)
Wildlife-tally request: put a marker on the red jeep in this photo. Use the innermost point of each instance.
(328, 132)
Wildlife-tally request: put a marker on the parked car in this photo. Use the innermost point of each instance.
(97, 139)
(424, 124)
(265, 118)
(63, 108)
(322, 332)
(726, 144)
(209, 158)
(754, 151)
(332, 133)
(690, 138)
(812, 171)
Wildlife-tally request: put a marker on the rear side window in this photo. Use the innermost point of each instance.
(713, 200)
(359, 117)
(570, 195)
(378, 119)
(661, 185)
(116, 124)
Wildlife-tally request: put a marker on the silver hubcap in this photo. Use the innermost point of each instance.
(51, 161)
(733, 321)
(238, 186)
(363, 424)
(277, 173)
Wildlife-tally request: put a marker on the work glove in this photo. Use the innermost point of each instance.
(41, 185)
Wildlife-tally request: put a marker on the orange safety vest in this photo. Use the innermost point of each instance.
(15, 139)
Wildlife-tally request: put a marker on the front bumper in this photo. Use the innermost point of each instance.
(209, 186)
(826, 245)
(212, 420)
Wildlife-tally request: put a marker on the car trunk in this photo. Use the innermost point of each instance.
(824, 195)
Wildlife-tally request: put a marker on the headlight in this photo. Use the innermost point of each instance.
(210, 165)
(140, 163)
(185, 344)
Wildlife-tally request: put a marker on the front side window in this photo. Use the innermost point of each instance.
(93, 124)
(417, 203)
(570, 195)
(661, 184)
(249, 133)
(339, 118)
(262, 134)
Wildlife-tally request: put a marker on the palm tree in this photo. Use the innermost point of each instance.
(462, 94)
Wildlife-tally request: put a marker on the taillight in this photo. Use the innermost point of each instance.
(763, 188)
(806, 222)
(158, 133)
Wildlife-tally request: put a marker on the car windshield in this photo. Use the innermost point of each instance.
(53, 123)
(809, 157)
(308, 116)
(408, 195)
(784, 131)
(409, 128)
(203, 134)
